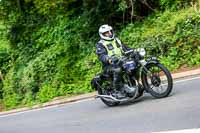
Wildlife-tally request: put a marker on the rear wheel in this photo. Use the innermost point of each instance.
(107, 102)
(157, 79)
(104, 90)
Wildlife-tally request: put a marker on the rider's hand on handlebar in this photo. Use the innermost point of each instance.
(109, 61)
(113, 60)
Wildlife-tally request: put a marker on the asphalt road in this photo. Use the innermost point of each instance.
(181, 110)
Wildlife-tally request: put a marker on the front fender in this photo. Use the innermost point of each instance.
(145, 70)
(152, 60)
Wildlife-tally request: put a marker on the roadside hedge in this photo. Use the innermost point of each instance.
(50, 53)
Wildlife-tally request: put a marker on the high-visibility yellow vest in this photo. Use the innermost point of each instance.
(113, 48)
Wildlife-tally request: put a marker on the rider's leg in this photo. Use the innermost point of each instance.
(117, 79)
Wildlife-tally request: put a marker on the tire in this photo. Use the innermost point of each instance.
(106, 102)
(156, 80)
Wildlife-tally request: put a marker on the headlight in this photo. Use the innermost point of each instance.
(141, 51)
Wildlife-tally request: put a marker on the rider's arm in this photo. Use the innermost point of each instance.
(124, 47)
(102, 53)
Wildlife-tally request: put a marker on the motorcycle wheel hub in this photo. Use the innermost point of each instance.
(155, 80)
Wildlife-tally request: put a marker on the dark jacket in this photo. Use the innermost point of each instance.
(103, 54)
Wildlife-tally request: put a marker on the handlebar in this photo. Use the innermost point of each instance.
(128, 52)
(120, 61)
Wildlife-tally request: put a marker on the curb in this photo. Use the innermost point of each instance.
(58, 102)
(51, 103)
(186, 74)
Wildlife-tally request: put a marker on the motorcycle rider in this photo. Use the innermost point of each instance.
(109, 49)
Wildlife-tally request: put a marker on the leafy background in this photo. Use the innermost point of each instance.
(47, 48)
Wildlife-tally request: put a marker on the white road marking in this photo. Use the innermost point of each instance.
(184, 80)
(54, 106)
(182, 131)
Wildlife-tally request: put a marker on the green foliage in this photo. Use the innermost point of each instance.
(45, 58)
(46, 92)
(122, 5)
(174, 4)
(47, 48)
(10, 96)
(174, 36)
(5, 55)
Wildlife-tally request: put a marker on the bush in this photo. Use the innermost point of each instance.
(174, 4)
(52, 62)
(172, 36)
(46, 93)
(51, 47)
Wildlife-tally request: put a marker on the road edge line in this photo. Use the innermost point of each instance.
(175, 76)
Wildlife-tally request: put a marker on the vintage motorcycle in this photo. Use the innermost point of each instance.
(137, 74)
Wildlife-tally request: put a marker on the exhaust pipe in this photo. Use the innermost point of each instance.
(110, 97)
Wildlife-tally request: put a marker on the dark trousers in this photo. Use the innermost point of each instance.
(115, 72)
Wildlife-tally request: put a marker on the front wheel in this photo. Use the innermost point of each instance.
(157, 79)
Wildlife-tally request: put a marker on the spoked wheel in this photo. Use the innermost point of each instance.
(108, 102)
(157, 80)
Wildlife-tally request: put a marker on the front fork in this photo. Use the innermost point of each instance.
(144, 63)
(145, 71)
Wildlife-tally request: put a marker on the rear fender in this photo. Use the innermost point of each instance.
(95, 82)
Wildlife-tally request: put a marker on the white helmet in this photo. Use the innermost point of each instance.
(106, 28)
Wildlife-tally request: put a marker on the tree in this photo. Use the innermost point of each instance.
(1, 76)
